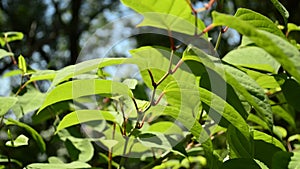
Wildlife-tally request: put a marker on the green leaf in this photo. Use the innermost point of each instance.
(252, 57)
(257, 120)
(281, 159)
(284, 52)
(263, 80)
(4, 53)
(292, 27)
(13, 73)
(83, 67)
(258, 135)
(55, 160)
(285, 14)
(52, 111)
(294, 163)
(171, 15)
(291, 91)
(258, 21)
(238, 163)
(165, 127)
(131, 83)
(239, 146)
(7, 37)
(72, 165)
(42, 75)
(78, 88)
(261, 164)
(80, 149)
(3, 159)
(282, 113)
(35, 135)
(82, 116)
(22, 64)
(21, 140)
(239, 80)
(225, 110)
(9, 103)
(158, 140)
(28, 102)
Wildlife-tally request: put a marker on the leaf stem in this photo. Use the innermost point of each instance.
(218, 40)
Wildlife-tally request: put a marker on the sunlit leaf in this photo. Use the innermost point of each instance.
(21, 140)
(82, 116)
(258, 135)
(284, 52)
(78, 88)
(165, 127)
(4, 53)
(258, 21)
(294, 163)
(131, 83)
(22, 64)
(7, 37)
(83, 67)
(72, 165)
(252, 57)
(171, 15)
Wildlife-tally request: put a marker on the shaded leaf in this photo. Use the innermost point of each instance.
(9, 103)
(282, 113)
(28, 102)
(291, 91)
(285, 14)
(239, 146)
(281, 159)
(35, 135)
(238, 163)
